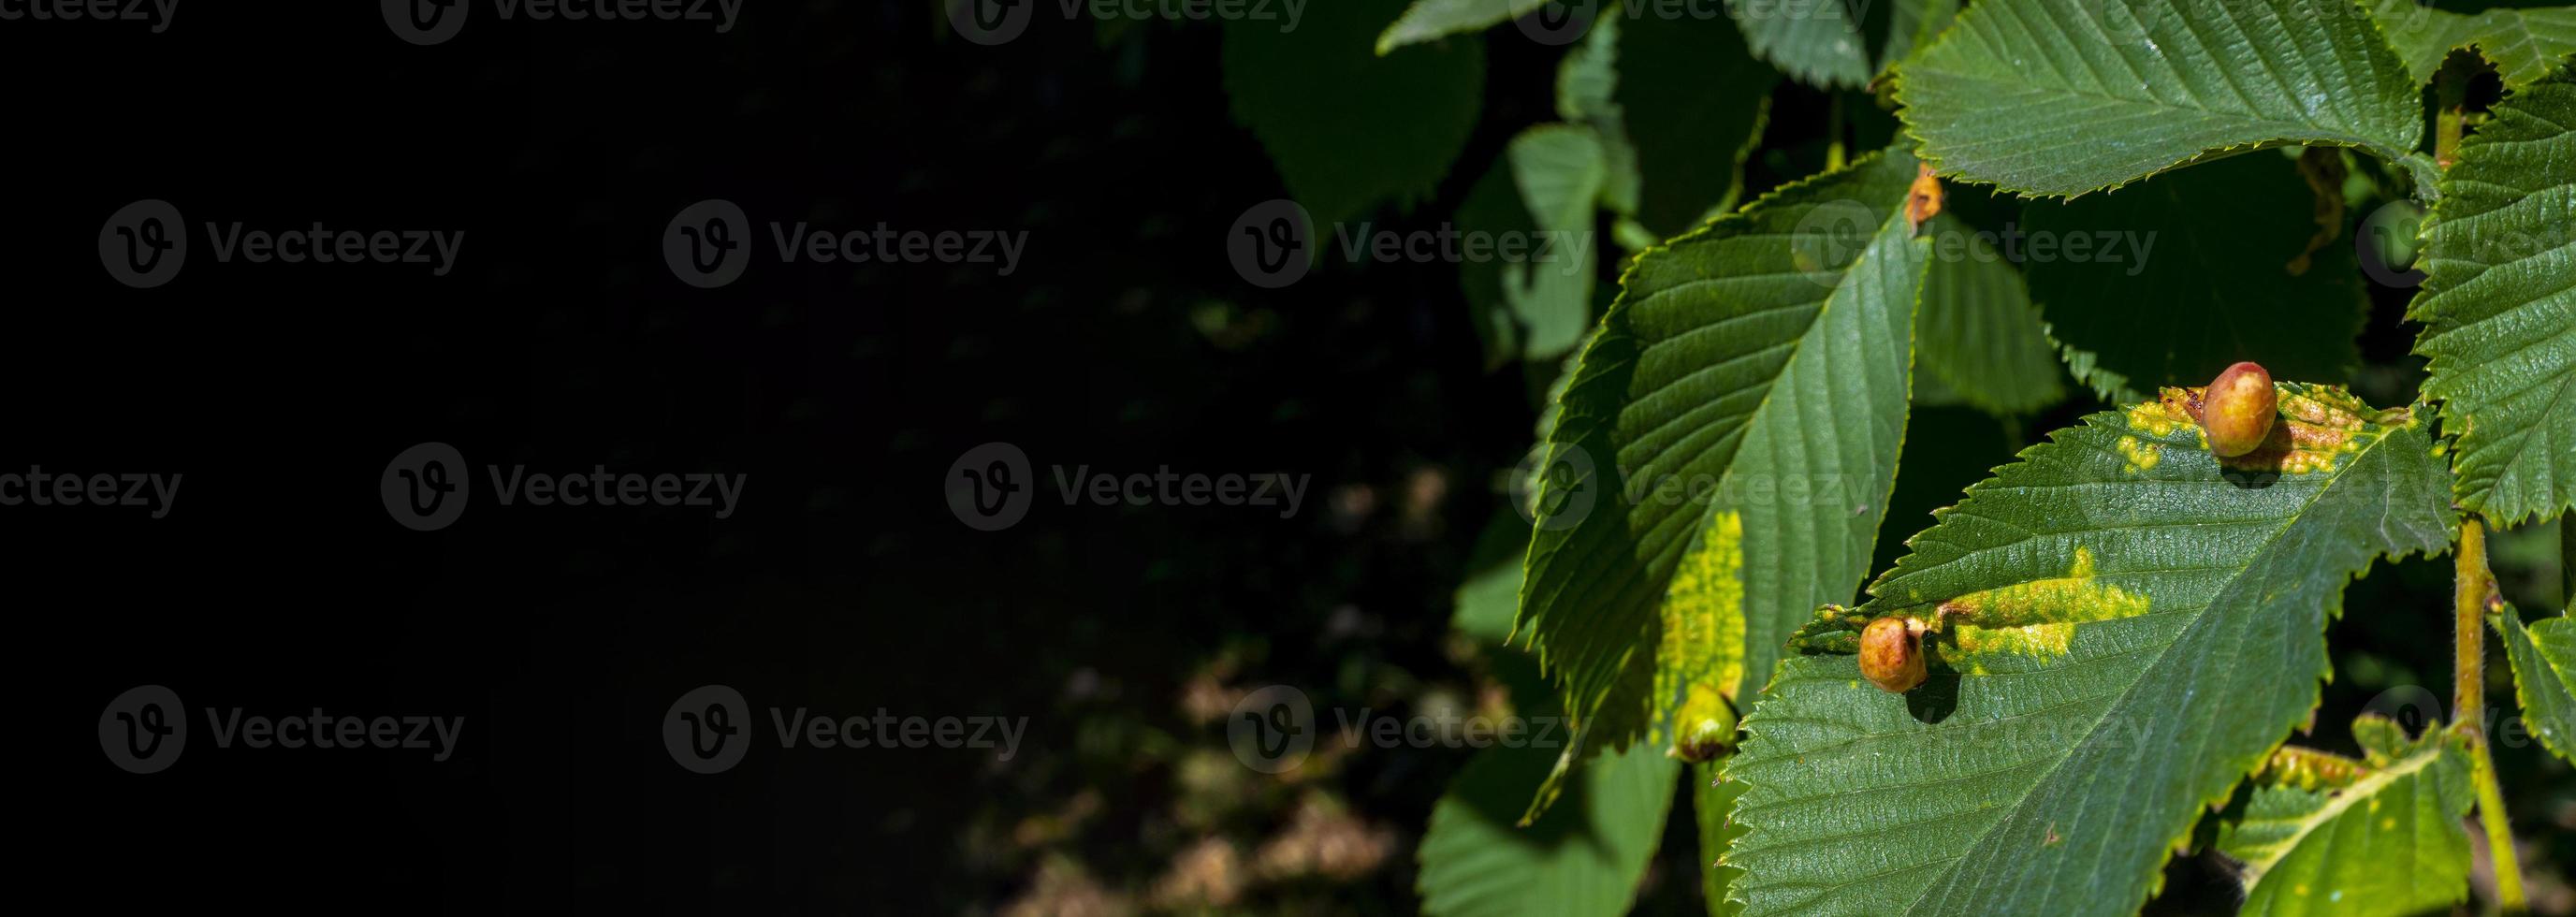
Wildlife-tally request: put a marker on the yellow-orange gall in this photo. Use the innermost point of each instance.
(2239, 409)
(1891, 654)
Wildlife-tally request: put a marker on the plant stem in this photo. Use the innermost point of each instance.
(2446, 137)
(2450, 105)
(2469, 600)
(1834, 131)
(2567, 559)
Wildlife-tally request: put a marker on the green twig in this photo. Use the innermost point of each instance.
(2473, 593)
(1834, 155)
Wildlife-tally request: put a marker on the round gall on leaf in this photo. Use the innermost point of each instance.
(1891, 654)
(2238, 410)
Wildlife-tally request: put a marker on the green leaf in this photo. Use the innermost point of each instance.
(2544, 676)
(1587, 86)
(1485, 602)
(1429, 20)
(2208, 273)
(2054, 98)
(2499, 303)
(1817, 42)
(2524, 44)
(1750, 377)
(2388, 842)
(1544, 291)
(1318, 94)
(1694, 101)
(1583, 858)
(1915, 24)
(2124, 627)
(1979, 339)
(1711, 800)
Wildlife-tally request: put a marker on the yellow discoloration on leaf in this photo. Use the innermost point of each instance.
(1701, 657)
(2310, 769)
(2077, 596)
(2157, 419)
(2141, 456)
(2320, 425)
(1975, 646)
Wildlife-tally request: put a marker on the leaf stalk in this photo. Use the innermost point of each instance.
(2473, 594)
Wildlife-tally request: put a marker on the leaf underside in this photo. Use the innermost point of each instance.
(2524, 44)
(1317, 93)
(2188, 272)
(2389, 843)
(1430, 20)
(2049, 767)
(1977, 336)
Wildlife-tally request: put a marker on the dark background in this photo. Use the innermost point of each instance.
(1123, 341)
